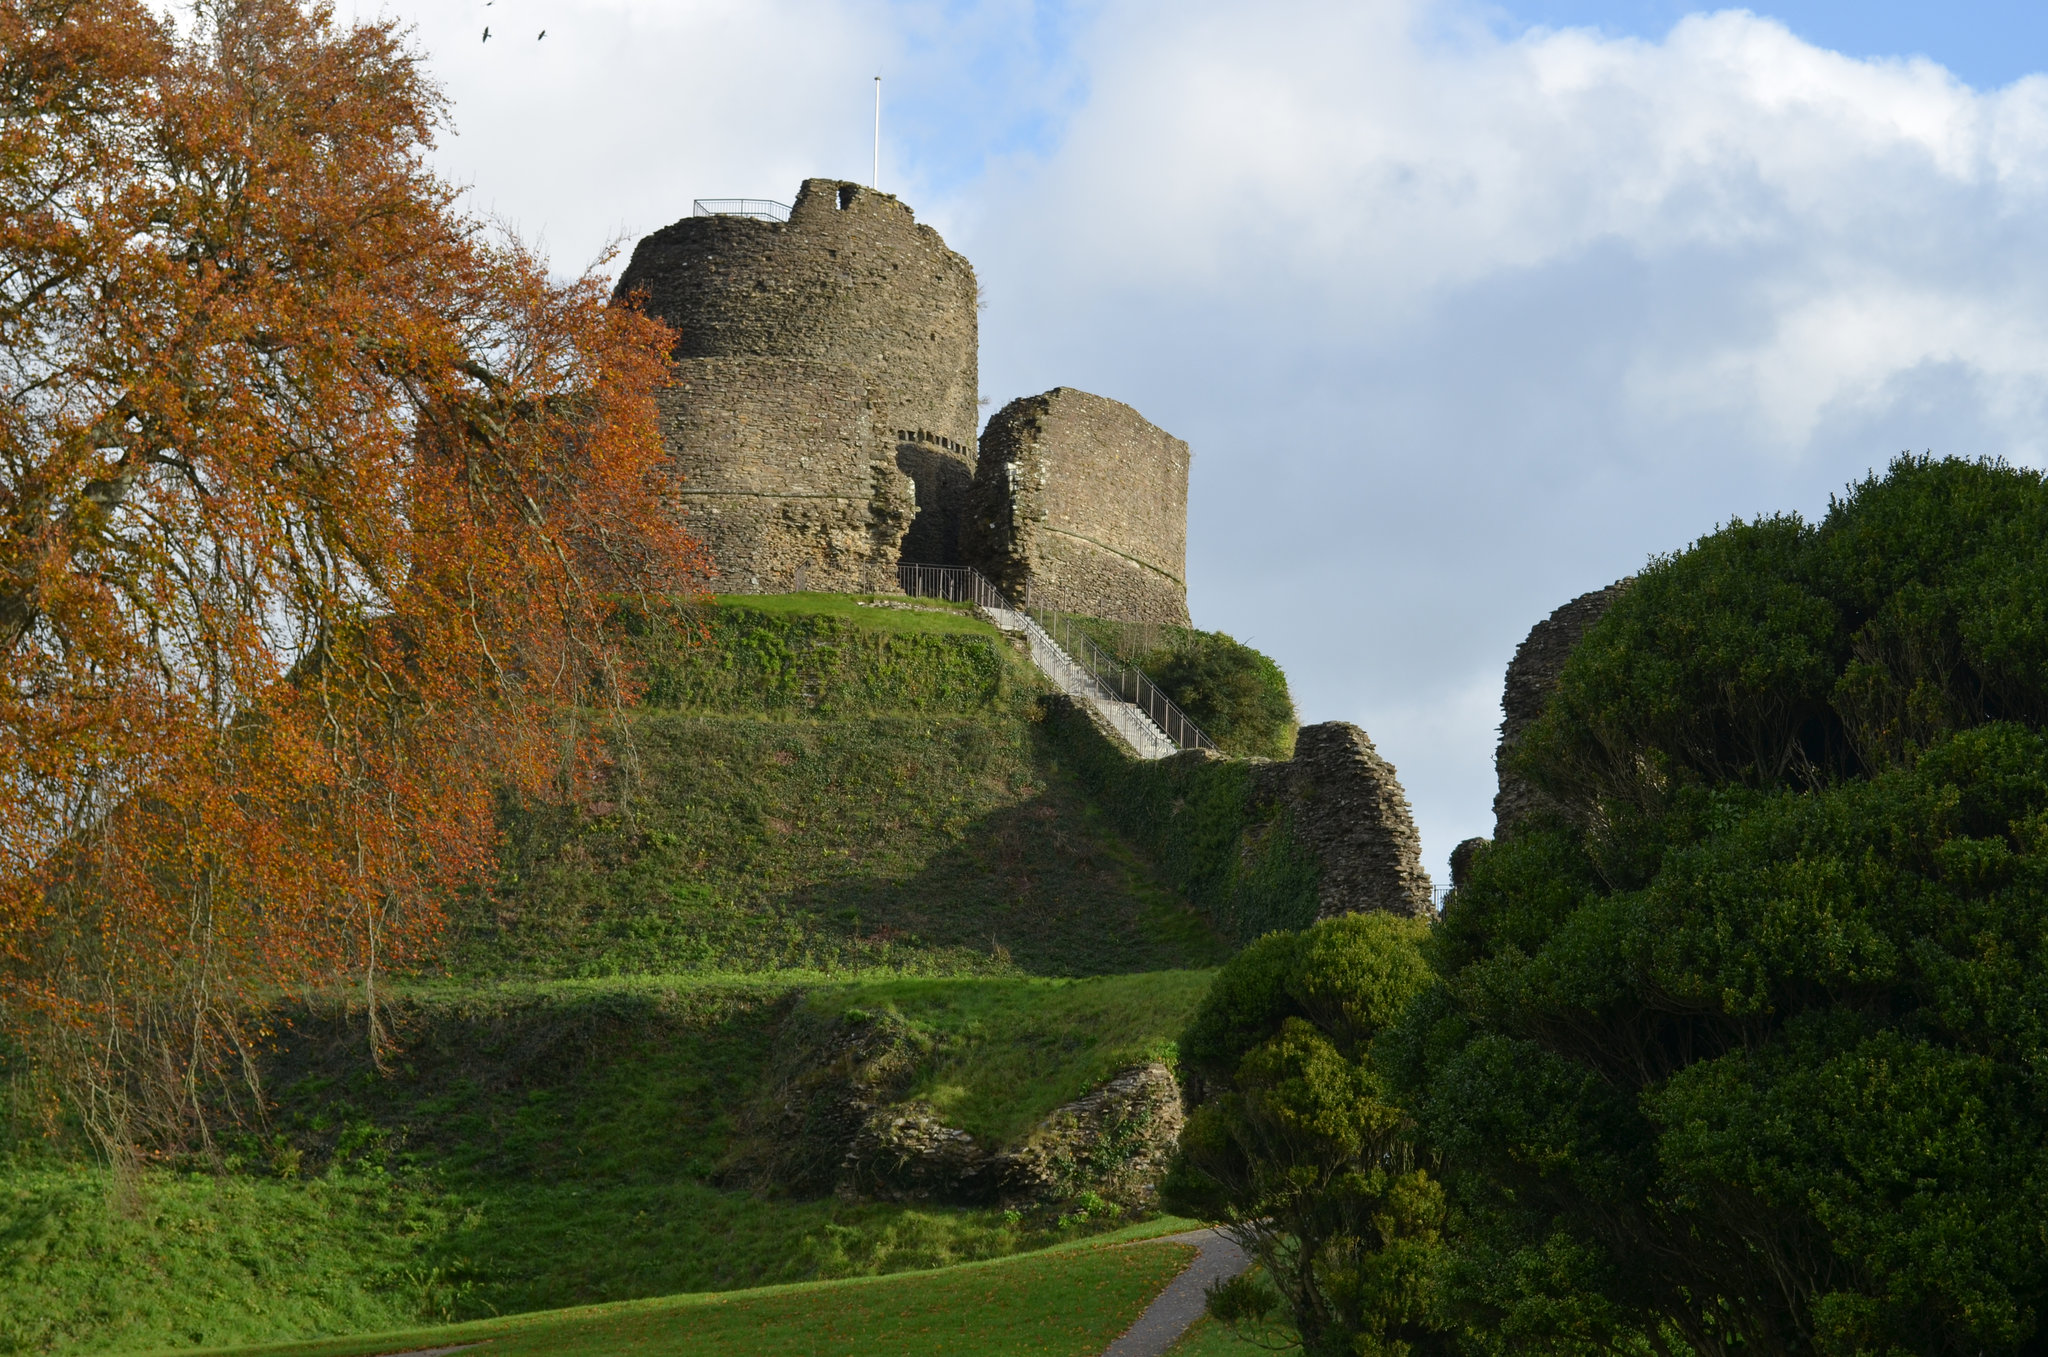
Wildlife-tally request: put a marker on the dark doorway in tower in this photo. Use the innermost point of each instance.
(941, 469)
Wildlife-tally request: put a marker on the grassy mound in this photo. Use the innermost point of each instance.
(825, 784)
(838, 808)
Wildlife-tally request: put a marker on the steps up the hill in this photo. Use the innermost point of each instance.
(1128, 703)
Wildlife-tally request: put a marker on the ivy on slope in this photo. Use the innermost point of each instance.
(1231, 852)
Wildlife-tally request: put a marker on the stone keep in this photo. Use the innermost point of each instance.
(823, 407)
(1082, 502)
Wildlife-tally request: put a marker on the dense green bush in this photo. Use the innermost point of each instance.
(1235, 694)
(1743, 1047)
(1297, 1143)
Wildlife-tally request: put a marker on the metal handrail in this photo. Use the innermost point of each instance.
(760, 209)
(1127, 682)
(1117, 681)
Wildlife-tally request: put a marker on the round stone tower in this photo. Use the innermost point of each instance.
(825, 402)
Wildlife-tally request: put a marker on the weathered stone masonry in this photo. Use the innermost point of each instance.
(1349, 811)
(824, 408)
(1084, 502)
(1532, 677)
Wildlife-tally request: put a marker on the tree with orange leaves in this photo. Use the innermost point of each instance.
(316, 499)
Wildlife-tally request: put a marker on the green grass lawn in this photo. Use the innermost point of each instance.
(538, 1145)
(1062, 1303)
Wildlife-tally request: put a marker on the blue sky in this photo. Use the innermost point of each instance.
(1465, 309)
(1985, 43)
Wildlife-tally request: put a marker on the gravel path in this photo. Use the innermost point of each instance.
(1180, 1304)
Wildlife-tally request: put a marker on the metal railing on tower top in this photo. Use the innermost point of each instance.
(1111, 679)
(761, 209)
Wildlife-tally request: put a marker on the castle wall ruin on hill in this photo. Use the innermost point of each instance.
(1531, 679)
(824, 404)
(1083, 501)
(823, 415)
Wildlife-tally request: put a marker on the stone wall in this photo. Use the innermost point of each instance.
(1532, 677)
(784, 476)
(853, 305)
(1084, 502)
(1347, 808)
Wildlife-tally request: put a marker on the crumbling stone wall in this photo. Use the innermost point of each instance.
(848, 396)
(1532, 676)
(1084, 502)
(1346, 806)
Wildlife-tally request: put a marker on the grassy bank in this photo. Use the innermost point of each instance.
(1066, 1303)
(537, 1145)
(855, 787)
(836, 810)
(1235, 860)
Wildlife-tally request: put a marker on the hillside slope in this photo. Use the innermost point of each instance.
(840, 815)
(829, 782)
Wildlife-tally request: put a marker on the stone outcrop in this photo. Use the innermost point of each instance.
(834, 1119)
(828, 1080)
(906, 1152)
(1532, 677)
(826, 402)
(1348, 810)
(1462, 858)
(1115, 1142)
(1083, 503)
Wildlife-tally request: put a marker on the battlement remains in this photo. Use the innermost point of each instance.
(1082, 502)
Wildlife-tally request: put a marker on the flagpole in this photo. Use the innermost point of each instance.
(876, 181)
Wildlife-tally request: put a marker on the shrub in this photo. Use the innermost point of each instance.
(1741, 1046)
(1298, 1146)
(1235, 694)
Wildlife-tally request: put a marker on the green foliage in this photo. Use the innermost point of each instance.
(1196, 817)
(1779, 653)
(1742, 1049)
(1235, 694)
(1299, 1145)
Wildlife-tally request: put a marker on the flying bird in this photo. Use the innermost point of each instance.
(487, 33)
(543, 34)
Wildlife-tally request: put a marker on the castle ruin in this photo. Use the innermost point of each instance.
(823, 416)
(1083, 502)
